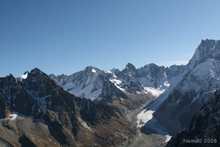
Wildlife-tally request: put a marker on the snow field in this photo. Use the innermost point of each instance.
(143, 117)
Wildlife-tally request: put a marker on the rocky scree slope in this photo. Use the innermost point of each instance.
(35, 111)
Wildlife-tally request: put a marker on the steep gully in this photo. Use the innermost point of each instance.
(203, 65)
(151, 132)
(146, 136)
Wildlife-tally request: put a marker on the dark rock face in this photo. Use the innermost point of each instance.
(201, 76)
(15, 97)
(175, 70)
(56, 115)
(181, 109)
(130, 69)
(152, 75)
(204, 129)
(4, 110)
(110, 92)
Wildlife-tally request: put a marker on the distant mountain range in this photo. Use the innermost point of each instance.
(61, 110)
(35, 111)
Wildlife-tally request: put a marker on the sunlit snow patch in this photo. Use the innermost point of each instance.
(24, 76)
(94, 71)
(13, 116)
(117, 82)
(154, 91)
(144, 117)
(168, 137)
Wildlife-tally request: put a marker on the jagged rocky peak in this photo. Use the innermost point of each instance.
(175, 70)
(151, 75)
(8, 79)
(33, 72)
(89, 68)
(87, 83)
(130, 69)
(92, 69)
(114, 70)
(151, 69)
(207, 49)
(12, 92)
(111, 74)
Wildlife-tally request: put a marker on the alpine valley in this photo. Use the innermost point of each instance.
(96, 108)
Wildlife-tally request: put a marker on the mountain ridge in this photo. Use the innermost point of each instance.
(86, 102)
(177, 85)
(52, 114)
(202, 75)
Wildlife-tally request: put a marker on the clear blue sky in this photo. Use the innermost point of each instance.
(66, 36)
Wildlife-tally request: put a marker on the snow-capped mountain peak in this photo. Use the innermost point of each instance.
(208, 49)
(202, 75)
(85, 84)
(92, 69)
